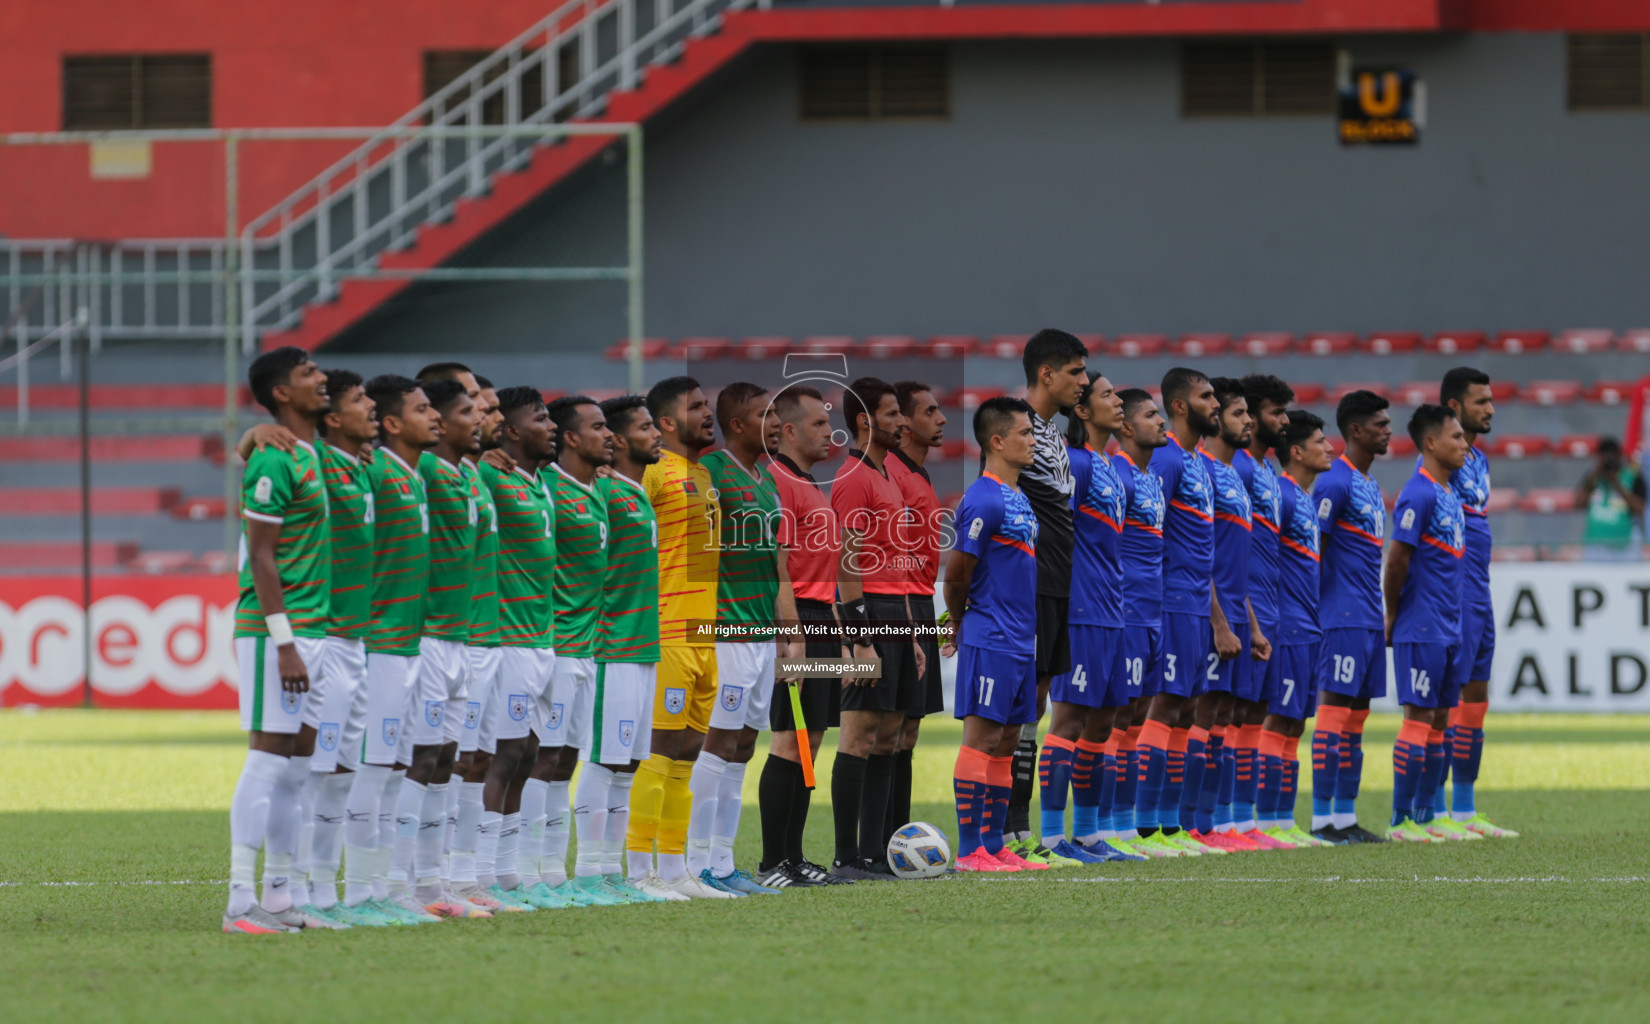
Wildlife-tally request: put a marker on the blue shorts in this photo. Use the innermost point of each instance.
(995, 685)
(1352, 662)
(1477, 650)
(1187, 643)
(1143, 660)
(1097, 678)
(1429, 675)
(1227, 676)
(1294, 667)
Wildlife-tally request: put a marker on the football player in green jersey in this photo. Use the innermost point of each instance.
(748, 582)
(280, 623)
(526, 570)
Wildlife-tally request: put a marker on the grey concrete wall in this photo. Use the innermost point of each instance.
(1067, 189)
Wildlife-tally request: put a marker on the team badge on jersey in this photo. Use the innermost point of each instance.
(627, 730)
(290, 701)
(732, 697)
(675, 699)
(327, 736)
(518, 706)
(472, 714)
(392, 731)
(433, 710)
(553, 719)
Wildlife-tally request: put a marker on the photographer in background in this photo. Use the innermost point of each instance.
(1613, 496)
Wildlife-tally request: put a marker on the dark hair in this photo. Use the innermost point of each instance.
(388, 390)
(564, 412)
(340, 381)
(1357, 407)
(1134, 398)
(732, 399)
(662, 397)
(863, 396)
(1264, 387)
(1049, 347)
(1458, 381)
(520, 397)
(993, 417)
(272, 370)
(1178, 383)
(1077, 432)
(1609, 444)
(1227, 389)
(443, 371)
(906, 391)
(788, 402)
(482, 382)
(620, 411)
(443, 392)
(1302, 425)
(1427, 420)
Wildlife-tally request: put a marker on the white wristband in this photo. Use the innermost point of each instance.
(280, 629)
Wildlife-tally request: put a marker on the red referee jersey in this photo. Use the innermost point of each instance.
(869, 503)
(807, 531)
(920, 532)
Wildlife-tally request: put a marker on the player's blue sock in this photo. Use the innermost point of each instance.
(999, 787)
(1128, 783)
(1245, 774)
(1153, 753)
(1466, 754)
(1054, 771)
(1197, 763)
(1431, 772)
(1269, 792)
(1209, 797)
(1226, 788)
(968, 782)
(1087, 787)
(1409, 760)
(1440, 799)
(1291, 783)
(1349, 779)
(1326, 762)
(1174, 781)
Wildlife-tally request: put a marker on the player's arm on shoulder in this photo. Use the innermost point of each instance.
(499, 459)
(265, 435)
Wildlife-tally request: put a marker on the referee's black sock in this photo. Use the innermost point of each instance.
(797, 826)
(773, 795)
(847, 791)
(873, 811)
(1025, 783)
(899, 800)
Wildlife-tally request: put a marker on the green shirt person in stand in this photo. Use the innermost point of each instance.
(1613, 495)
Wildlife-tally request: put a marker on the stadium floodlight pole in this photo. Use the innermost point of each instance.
(633, 142)
(231, 339)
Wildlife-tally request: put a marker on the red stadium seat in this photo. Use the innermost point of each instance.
(953, 448)
(1336, 392)
(1005, 346)
(700, 348)
(1383, 343)
(1577, 446)
(971, 397)
(1516, 446)
(762, 347)
(199, 509)
(1095, 343)
(603, 394)
(1547, 500)
(162, 562)
(1415, 392)
(1502, 499)
(951, 346)
(1612, 392)
(1327, 343)
(828, 343)
(106, 501)
(1635, 340)
(1514, 553)
(888, 346)
(1337, 444)
(1266, 343)
(1550, 392)
(54, 555)
(114, 448)
(551, 394)
(1516, 342)
(971, 448)
(1401, 447)
(1451, 342)
(1201, 344)
(652, 348)
(1584, 340)
(1504, 390)
(1307, 394)
(1131, 345)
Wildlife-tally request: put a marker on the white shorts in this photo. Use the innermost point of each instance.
(341, 712)
(484, 663)
(564, 709)
(744, 677)
(265, 706)
(390, 682)
(523, 676)
(443, 679)
(621, 716)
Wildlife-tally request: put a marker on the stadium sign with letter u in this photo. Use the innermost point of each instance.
(1379, 107)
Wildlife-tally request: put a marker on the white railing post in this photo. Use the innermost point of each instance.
(627, 44)
(23, 371)
(323, 242)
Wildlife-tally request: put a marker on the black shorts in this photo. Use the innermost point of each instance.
(931, 696)
(821, 705)
(1053, 635)
(899, 688)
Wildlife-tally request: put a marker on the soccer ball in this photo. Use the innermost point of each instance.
(919, 850)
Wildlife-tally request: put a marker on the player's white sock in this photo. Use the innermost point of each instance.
(1246, 826)
(326, 838)
(534, 795)
(384, 859)
(705, 785)
(590, 817)
(432, 828)
(487, 831)
(509, 841)
(558, 833)
(672, 867)
(1321, 821)
(1349, 819)
(304, 860)
(366, 788)
(409, 805)
(1088, 840)
(466, 823)
(618, 823)
(729, 802)
(281, 839)
(248, 823)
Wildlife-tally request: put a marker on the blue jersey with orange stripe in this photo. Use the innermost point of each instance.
(1352, 522)
(1298, 560)
(1471, 484)
(1428, 517)
(995, 524)
(1234, 520)
(1257, 475)
(1097, 566)
(1188, 528)
(1142, 545)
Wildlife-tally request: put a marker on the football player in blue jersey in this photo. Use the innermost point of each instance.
(1466, 391)
(1352, 663)
(1086, 698)
(991, 589)
(1227, 679)
(1142, 433)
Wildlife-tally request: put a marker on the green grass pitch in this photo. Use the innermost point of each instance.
(113, 834)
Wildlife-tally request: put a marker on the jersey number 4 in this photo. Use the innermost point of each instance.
(1079, 679)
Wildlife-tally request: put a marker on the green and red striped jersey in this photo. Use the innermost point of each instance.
(747, 582)
(629, 627)
(484, 621)
(349, 500)
(287, 489)
(526, 557)
(452, 546)
(400, 557)
(581, 561)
